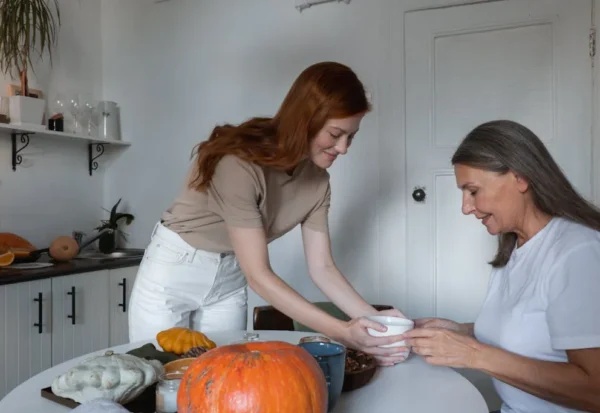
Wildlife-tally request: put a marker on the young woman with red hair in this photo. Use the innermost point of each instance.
(250, 184)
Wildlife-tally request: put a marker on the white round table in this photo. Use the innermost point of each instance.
(411, 386)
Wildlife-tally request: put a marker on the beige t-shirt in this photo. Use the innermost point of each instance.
(244, 194)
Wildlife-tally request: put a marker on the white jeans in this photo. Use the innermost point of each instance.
(180, 286)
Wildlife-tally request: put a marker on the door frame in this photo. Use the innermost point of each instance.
(393, 194)
(595, 169)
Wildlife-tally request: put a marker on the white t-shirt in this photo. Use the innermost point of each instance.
(544, 301)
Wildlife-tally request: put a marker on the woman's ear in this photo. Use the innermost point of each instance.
(522, 184)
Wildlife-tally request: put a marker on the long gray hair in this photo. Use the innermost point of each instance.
(502, 146)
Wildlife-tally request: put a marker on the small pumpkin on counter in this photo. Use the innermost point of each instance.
(63, 248)
(270, 377)
(179, 340)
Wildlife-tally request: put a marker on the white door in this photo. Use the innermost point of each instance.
(25, 332)
(524, 60)
(121, 282)
(79, 315)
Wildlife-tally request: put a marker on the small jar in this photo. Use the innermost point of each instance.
(166, 392)
(315, 339)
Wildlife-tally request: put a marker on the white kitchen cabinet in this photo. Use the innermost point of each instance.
(80, 315)
(121, 282)
(100, 311)
(26, 337)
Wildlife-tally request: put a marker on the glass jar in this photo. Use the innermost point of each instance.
(248, 337)
(166, 392)
(315, 339)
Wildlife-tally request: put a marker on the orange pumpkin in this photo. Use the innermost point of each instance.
(180, 340)
(266, 377)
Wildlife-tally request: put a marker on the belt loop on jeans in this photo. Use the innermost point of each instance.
(155, 229)
(191, 256)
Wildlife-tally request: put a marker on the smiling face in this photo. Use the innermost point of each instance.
(333, 140)
(498, 200)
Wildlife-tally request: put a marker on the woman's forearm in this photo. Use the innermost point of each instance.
(561, 383)
(281, 296)
(468, 329)
(337, 288)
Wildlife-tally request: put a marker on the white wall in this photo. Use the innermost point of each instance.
(186, 71)
(51, 193)
(178, 68)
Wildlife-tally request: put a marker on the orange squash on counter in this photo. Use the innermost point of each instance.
(179, 340)
(266, 377)
(18, 245)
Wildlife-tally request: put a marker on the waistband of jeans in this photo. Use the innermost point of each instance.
(173, 238)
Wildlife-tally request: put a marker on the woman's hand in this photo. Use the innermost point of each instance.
(444, 347)
(355, 335)
(392, 313)
(443, 323)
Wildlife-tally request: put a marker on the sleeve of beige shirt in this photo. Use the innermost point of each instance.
(318, 219)
(234, 193)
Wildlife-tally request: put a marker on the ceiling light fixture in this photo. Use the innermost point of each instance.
(304, 4)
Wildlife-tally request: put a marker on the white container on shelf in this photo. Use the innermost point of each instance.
(27, 111)
(108, 120)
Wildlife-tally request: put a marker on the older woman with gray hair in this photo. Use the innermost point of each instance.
(538, 331)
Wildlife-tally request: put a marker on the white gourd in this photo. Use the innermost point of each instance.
(117, 377)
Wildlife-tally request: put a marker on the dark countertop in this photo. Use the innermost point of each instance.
(76, 266)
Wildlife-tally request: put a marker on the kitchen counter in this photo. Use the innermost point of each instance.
(10, 275)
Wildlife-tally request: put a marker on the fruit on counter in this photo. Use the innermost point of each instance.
(63, 248)
(11, 240)
(268, 376)
(194, 352)
(179, 340)
(7, 258)
(116, 377)
(18, 245)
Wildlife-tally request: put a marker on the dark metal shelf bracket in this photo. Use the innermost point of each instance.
(17, 159)
(99, 147)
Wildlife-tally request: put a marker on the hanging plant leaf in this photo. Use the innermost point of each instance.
(128, 218)
(113, 211)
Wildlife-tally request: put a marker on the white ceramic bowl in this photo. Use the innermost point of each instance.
(395, 326)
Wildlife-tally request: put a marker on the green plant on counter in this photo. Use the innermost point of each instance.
(26, 27)
(107, 242)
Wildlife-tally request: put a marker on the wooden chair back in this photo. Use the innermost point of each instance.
(268, 317)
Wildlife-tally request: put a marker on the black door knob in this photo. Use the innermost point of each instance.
(419, 194)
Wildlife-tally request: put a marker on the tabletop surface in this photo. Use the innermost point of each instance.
(411, 386)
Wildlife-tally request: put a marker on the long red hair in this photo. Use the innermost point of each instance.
(326, 90)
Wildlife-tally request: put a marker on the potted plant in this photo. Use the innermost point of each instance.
(107, 242)
(27, 27)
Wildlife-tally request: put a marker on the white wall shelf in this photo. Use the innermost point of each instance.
(22, 134)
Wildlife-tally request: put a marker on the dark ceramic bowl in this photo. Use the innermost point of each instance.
(355, 376)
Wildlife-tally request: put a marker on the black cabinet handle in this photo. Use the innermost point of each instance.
(124, 303)
(72, 294)
(39, 323)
